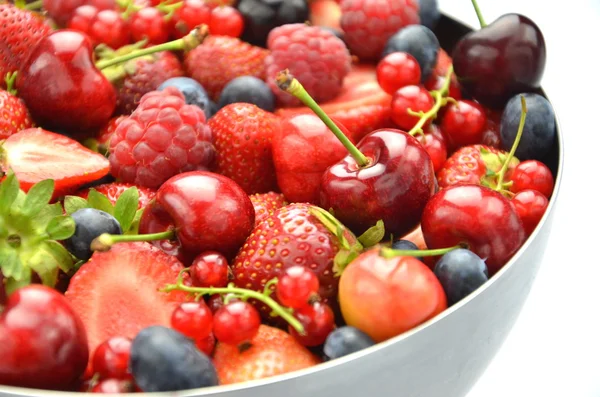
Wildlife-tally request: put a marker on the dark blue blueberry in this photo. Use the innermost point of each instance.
(193, 92)
(248, 89)
(539, 131)
(429, 12)
(418, 41)
(405, 245)
(212, 109)
(460, 272)
(89, 224)
(163, 360)
(336, 32)
(345, 340)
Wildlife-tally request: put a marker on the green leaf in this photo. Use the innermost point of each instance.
(100, 202)
(373, 235)
(342, 260)
(63, 259)
(47, 213)
(126, 207)
(74, 204)
(60, 227)
(10, 263)
(37, 197)
(9, 189)
(135, 224)
(48, 258)
(12, 285)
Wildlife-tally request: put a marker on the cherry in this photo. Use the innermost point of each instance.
(491, 133)
(226, 21)
(412, 98)
(109, 27)
(296, 286)
(236, 323)
(531, 206)
(111, 358)
(149, 24)
(434, 143)
(43, 342)
(463, 123)
(318, 321)
(210, 269)
(398, 70)
(193, 319)
(113, 386)
(192, 13)
(532, 174)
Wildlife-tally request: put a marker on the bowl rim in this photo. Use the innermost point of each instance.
(221, 389)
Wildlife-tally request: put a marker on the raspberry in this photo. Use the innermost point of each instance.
(162, 137)
(368, 24)
(315, 56)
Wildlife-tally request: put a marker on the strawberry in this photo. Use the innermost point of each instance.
(113, 191)
(362, 106)
(243, 134)
(474, 164)
(35, 154)
(271, 352)
(20, 31)
(265, 205)
(221, 59)
(14, 115)
(103, 135)
(116, 293)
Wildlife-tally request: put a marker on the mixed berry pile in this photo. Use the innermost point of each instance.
(198, 193)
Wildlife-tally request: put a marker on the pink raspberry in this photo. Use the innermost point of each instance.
(316, 57)
(163, 137)
(368, 24)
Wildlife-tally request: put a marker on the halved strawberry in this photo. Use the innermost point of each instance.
(35, 154)
(362, 106)
(116, 293)
(113, 191)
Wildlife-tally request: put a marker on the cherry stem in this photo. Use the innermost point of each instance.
(440, 101)
(389, 253)
(34, 6)
(105, 241)
(500, 184)
(479, 14)
(242, 293)
(10, 79)
(187, 43)
(288, 83)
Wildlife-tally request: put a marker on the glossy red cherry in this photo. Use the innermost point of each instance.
(111, 358)
(43, 343)
(411, 97)
(210, 269)
(149, 24)
(398, 70)
(191, 14)
(62, 87)
(531, 206)
(532, 174)
(463, 123)
(435, 144)
(226, 21)
(477, 216)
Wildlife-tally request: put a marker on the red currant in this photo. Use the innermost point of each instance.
(102, 4)
(215, 302)
(236, 322)
(434, 143)
(318, 321)
(463, 123)
(413, 97)
(82, 18)
(210, 269)
(531, 206)
(398, 70)
(436, 82)
(111, 358)
(193, 319)
(532, 174)
(491, 132)
(113, 386)
(149, 24)
(207, 345)
(226, 21)
(296, 286)
(191, 14)
(109, 27)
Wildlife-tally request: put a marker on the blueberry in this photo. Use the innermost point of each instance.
(539, 131)
(418, 41)
(429, 12)
(193, 92)
(460, 272)
(163, 360)
(89, 224)
(248, 89)
(212, 109)
(336, 32)
(345, 340)
(405, 245)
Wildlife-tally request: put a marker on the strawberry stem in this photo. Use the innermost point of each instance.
(440, 100)
(10, 79)
(288, 83)
(187, 43)
(34, 5)
(105, 241)
(479, 14)
(242, 293)
(500, 184)
(392, 253)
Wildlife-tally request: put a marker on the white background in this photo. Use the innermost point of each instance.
(554, 349)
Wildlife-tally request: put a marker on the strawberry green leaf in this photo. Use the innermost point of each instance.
(10, 263)
(135, 224)
(45, 264)
(126, 207)
(9, 190)
(60, 227)
(59, 254)
(100, 202)
(342, 260)
(47, 213)
(74, 204)
(37, 197)
(12, 285)
(373, 235)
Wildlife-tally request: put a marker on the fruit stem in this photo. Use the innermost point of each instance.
(105, 241)
(500, 184)
(440, 100)
(10, 79)
(479, 14)
(187, 43)
(288, 83)
(34, 5)
(242, 293)
(392, 253)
